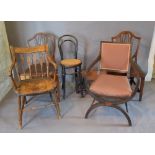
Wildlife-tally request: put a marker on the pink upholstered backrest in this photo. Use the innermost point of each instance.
(115, 56)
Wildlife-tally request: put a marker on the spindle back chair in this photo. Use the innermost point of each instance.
(33, 72)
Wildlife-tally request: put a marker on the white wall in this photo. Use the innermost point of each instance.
(89, 34)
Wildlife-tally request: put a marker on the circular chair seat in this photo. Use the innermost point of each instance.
(35, 86)
(70, 62)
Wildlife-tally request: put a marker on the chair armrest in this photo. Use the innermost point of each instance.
(51, 61)
(94, 62)
(11, 75)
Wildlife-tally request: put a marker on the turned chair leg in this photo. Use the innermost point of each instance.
(56, 103)
(141, 88)
(19, 112)
(21, 103)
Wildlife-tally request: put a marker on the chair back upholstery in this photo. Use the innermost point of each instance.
(31, 62)
(115, 56)
(42, 38)
(68, 46)
(129, 37)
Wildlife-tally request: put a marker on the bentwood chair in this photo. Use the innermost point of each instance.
(68, 48)
(111, 87)
(33, 72)
(42, 38)
(129, 37)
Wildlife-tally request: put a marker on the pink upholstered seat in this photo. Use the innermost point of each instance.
(111, 86)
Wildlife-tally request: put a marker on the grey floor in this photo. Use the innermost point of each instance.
(73, 110)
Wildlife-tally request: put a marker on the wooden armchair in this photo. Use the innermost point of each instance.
(33, 72)
(111, 86)
(129, 37)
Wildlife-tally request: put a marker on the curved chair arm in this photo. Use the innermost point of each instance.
(50, 60)
(94, 62)
(11, 73)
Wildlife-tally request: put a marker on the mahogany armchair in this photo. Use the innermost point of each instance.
(111, 86)
(129, 37)
(33, 72)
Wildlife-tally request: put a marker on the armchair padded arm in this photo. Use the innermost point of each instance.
(94, 62)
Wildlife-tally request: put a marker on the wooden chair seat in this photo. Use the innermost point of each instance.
(35, 86)
(70, 62)
(111, 86)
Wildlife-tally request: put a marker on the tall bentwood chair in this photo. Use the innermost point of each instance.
(111, 87)
(68, 48)
(130, 37)
(33, 72)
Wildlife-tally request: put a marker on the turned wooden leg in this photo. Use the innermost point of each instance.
(19, 112)
(141, 88)
(56, 103)
(58, 89)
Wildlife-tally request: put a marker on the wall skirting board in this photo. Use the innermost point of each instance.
(151, 59)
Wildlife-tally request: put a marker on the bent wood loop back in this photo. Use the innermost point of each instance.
(42, 38)
(129, 37)
(32, 62)
(68, 46)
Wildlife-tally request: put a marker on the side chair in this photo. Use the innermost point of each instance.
(130, 37)
(68, 48)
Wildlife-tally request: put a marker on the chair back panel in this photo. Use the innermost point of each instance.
(68, 46)
(42, 39)
(115, 56)
(31, 62)
(129, 37)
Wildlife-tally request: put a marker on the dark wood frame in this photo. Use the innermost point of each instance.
(77, 73)
(113, 102)
(127, 37)
(54, 93)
